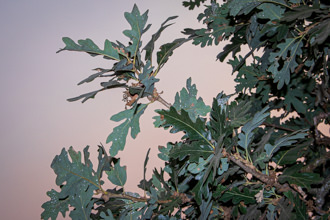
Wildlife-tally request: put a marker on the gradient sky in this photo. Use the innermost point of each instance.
(37, 121)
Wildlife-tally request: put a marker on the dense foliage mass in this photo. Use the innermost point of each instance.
(255, 154)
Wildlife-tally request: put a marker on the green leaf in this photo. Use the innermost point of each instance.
(91, 48)
(94, 76)
(188, 101)
(165, 152)
(299, 206)
(83, 205)
(119, 133)
(147, 80)
(236, 196)
(166, 51)
(194, 150)
(234, 47)
(117, 175)
(294, 99)
(107, 216)
(287, 140)
(247, 78)
(77, 180)
(290, 156)
(137, 23)
(218, 119)
(90, 95)
(239, 113)
(76, 175)
(270, 11)
(242, 6)
(293, 176)
(149, 48)
(245, 137)
(281, 75)
(299, 13)
(194, 130)
(192, 3)
(54, 206)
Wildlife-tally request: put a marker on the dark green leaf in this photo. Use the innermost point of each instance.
(194, 130)
(245, 137)
(166, 51)
(281, 75)
(299, 205)
(119, 133)
(192, 3)
(117, 174)
(94, 76)
(242, 6)
(194, 150)
(301, 12)
(54, 206)
(107, 216)
(149, 48)
(91, 48)
(83, 205)
(77, 181)
(294, 99)
(293, 176)
(188, 101)
(137, 23)
(236, 196)
(287, 140)
(290, 156)
(147, 79)
(77, 176)
(270, 11)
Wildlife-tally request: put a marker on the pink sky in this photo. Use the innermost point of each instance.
(37, 121)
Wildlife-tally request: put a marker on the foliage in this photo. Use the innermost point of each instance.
(256, 154)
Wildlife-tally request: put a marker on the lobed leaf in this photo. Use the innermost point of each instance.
(287, 140)
(188, 101)
(91, 48)
(293, 176)
(236, 196)
(149, 48)
(137, 23)
(55, 206)
(119, 133)
(245, 137)
(195, 150)
(117, 175)
(182, 122)
(166, 51)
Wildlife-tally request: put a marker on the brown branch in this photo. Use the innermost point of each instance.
(250, 168)
(318, 133)
(315, 163)
(176, 195)
(322, 192)
(278, 127)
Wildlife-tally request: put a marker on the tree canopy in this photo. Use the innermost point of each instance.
(256, 154)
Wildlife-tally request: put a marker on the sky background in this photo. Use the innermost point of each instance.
(37, 121)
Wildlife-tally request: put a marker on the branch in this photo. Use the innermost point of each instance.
(106, 196)
(322, 192)
(277, 127)
(318, 133)
(315, 163)
(250, 168)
